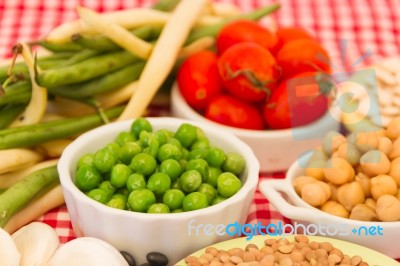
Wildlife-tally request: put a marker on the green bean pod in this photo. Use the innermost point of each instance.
(105, 83)
(61, 47)
(23, 192)
(214, 29)
(9, 113)
(78, 57)
(85, 70)
(104, 44)
(31, 135)
(17, 93)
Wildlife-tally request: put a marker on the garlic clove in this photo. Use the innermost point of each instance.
(36, 243)
(9, 254)
(87, 251)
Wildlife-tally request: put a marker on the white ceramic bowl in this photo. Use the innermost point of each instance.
(275, 149)
(294, 208)
(140, 233)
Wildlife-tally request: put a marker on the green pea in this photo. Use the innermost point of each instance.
(119, 175)
(202, 143)
(144, 137)
(104, 160)
(215, 157)
(173, 198)
(177, 211)
(141, 199)
(228, 184)
(208, 190)
(114, 147)
(128, 151)
(135, 181)
(185, 153)
(186, 134)
(143, 163)
(172, 168)
(86, 159)
(87, 178)
(107, 186)
(118, 201)
(161, 136)
(200, 133)
(139, 125)
(183, 163)
(153, 146)
(158, 208)
(124, 137)
(175, 141)
(99, 195)
(218, 199)
(213, 173)
(190, 180)
(176, 184)
(197, 154)
(234, 163)
(123, 191)
(194, 201)
(201, 166)
(169, 151)
(159, 183)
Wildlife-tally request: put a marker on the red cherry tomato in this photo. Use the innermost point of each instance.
(245, 31)
(227, 110)
(199, 80)
(288, 34)
(296, 102)
(303, 55)
(248, 71)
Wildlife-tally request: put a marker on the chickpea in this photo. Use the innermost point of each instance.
(395, 170)
(316, 193)
(375, 162)
(363, 212)
(370, 202)
(383, 185)
(334, 189)
(318, 154)
(335, 208)
(395, 149)
(300, 181)
(393, 129)
(365, 183)
(315, 169)
(388, 208)
(385, 145)
(339, 171)
(350, 194)
(349, 152)
(331, 142)
(367, 141)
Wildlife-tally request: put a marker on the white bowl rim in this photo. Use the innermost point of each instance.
(176, 97)
(290, 175)
(67, 184)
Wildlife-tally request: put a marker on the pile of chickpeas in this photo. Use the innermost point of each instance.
(357, 176)
(282, 252)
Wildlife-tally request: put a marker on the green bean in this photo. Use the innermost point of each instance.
(214, 29)
(19, 92)
(85, 70)
(105, 83)
(104, 44)
(31, 135)
(166, 5)
(23, 192)
(9, 112)
(78, 57)
(61, 47)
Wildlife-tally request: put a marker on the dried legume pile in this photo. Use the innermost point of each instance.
(357, 176)
(277, 252)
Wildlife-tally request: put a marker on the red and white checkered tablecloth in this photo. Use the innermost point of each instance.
(346, 28)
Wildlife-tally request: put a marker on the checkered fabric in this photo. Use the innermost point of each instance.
(348, 29)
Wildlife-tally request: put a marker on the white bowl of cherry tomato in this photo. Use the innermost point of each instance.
(271, 89)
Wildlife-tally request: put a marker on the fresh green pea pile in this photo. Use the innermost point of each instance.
(160, 171)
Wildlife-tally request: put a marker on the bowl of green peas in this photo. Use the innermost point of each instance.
(158, 185)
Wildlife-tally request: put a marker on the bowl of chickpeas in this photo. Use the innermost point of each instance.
(156, 185)
(349, 188)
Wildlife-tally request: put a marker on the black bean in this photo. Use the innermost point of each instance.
(129, 258)
(146, 264)
(157, 259)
